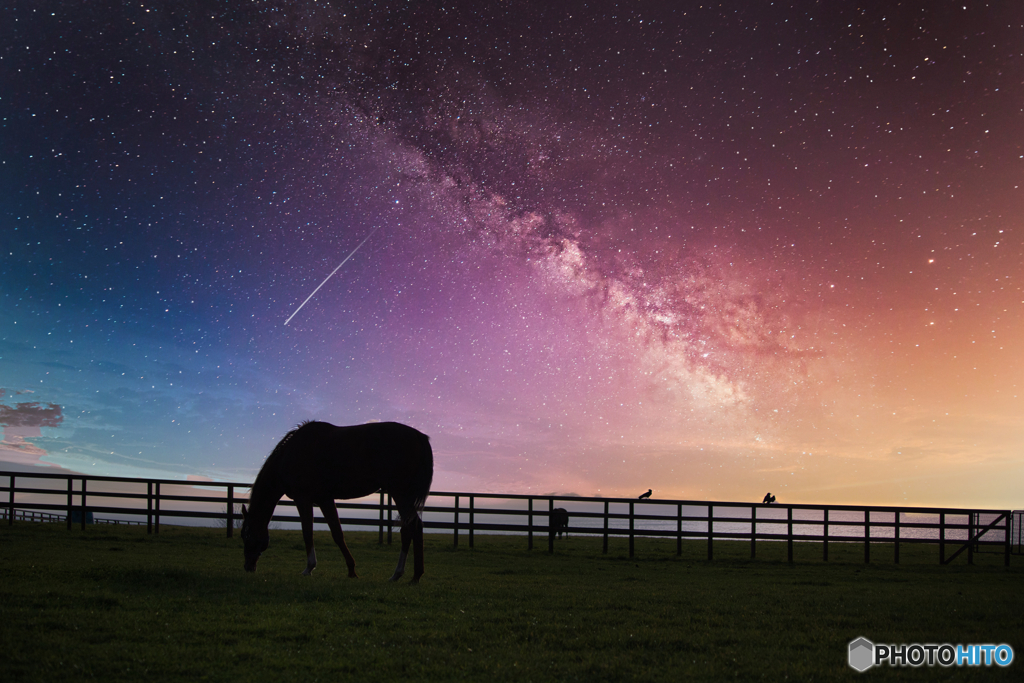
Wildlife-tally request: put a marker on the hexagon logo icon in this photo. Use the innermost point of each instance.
(862, 654)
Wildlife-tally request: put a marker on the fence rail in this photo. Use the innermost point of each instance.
(34, 516)
(76, 498)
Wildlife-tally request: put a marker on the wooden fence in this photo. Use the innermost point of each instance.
(953, 530)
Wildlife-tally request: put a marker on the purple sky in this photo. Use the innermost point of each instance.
(710, 250)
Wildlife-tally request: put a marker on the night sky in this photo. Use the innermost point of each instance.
(713, 249)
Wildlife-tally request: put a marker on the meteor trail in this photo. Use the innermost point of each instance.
(329, 276)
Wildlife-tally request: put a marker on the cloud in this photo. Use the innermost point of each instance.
(24, 421)
(31, 415)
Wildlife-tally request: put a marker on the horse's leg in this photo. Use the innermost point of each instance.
(406, 540)
(417, 548)
(330, 511)
(306, 515)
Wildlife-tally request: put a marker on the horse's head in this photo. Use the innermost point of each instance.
(255, 539)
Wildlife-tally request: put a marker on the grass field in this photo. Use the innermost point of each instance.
(113, 603)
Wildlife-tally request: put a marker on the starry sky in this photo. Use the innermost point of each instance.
(713, 249)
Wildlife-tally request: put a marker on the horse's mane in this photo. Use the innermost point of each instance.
(259, 486)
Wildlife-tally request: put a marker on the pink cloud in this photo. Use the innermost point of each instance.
(24, 421)
(31, 415)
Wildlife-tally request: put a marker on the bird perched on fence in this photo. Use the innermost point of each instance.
(645, 495)
(768, 498)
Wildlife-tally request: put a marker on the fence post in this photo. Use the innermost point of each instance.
(551, 529)
(380, 520)
(231, 509)
(1008, 519)
(149, 507)
(970, 537)
(631, 529)
(896, 535)
(789, 533)
(71, 491)
(456, 525)
(83, 503)
(825, 542)
(942, 538)
(867, 536)
(605, 549)
(679, 530)
(711, 531)
(471, 521)
(529, 523)
(390, 503)
(10, 505)
(753, 531)
(156, 507)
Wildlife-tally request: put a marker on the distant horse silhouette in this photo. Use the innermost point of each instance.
(558, 521)
(645, 495)
(318, 462)
(768, 498)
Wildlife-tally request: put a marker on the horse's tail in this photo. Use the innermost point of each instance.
(423, 475)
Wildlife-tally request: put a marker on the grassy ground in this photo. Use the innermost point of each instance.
(115, 604)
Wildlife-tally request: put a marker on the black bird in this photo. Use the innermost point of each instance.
(646, 495)
(768, 498)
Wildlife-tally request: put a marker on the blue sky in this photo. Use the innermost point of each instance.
(714, 251)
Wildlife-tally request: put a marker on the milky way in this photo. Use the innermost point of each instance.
(714, 250)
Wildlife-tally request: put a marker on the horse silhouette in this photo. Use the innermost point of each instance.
(317, 462)
(645, 495)
(558, 521)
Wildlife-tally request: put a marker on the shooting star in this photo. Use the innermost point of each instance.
(329, 276)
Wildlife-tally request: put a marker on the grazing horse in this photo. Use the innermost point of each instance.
(318, 462)
(558, 521)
